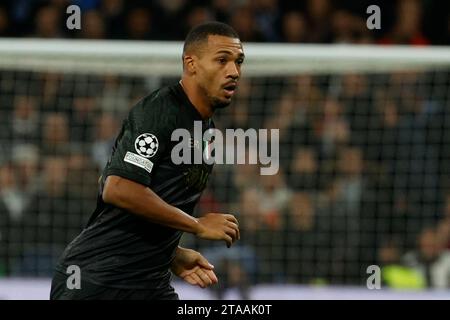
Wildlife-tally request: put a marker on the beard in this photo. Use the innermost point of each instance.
(217, 103)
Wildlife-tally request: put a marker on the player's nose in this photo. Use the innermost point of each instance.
(233, 71)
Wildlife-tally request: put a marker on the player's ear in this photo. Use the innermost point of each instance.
(189, 63)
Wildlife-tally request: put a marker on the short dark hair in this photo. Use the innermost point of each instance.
(200, 33)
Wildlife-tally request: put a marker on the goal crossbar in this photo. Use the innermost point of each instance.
(164, 58)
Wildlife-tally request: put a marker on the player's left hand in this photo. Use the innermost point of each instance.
(193, 268)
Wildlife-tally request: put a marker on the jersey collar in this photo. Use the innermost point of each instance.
(186, 102)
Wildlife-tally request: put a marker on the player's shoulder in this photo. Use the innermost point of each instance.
(159, 108)
(161, 100)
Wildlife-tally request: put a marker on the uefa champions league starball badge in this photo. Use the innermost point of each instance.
(146, 145)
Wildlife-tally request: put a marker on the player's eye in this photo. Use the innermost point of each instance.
(240, 61)
(222, 60)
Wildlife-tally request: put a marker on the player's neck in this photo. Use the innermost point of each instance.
(196, 98)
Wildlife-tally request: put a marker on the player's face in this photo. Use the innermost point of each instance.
(219, 69)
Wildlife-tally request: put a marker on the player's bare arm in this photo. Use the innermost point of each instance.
(141, 200)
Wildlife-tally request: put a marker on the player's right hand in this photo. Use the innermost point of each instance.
(218, 226)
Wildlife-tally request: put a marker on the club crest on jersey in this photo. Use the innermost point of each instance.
(146, 145)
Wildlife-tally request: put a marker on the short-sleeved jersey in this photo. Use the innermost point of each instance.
(119, 248)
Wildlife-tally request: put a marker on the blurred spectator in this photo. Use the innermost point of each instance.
(243, 21)
(348, 28)
(48, 23)
(416, 167)
(294, 27)
(11, 208)
(82, 175)
(50, 90)
(447, 40)
(262, 210)
(408, 26)
(394, 274)
(306, 99)
(340, 211)
(107, 130)
(356, 100)
(447, 206)
(12, 200)
(334, 129)
(222, 9)
(170, 13)
(267, 16)
(4, 23)
(404, 220)
(85, 5)
(228, 183)
(25, 158)
(443, 227)
(300, 260)
(92, 25)
(115, 95)
(139, 24)
(196, 16)
(318, 13)
(273, 200)
(82, 188)
(301, 213)
(172, 6)
(25, 120)
(304, 170)
(113, 12)
(232, 275)
(55, 135)
(431, 260)
(82, 118)
(235, 267)
(282, 119)
(350, 185)
(307, 96)
(389, 119)
(54, 177)
(343, 27)
(45, 221)
(269, 20)
(239, 116)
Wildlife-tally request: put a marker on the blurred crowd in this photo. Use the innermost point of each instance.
(414, 22)
(364, 176)
(364, 171)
